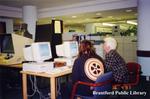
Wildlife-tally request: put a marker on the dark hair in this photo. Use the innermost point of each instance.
(86, 47)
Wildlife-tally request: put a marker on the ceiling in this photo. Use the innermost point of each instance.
(41, 3)
(119, 16)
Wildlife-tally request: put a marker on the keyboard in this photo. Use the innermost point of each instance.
(59, 69)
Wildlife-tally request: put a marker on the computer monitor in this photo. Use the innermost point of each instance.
(68, 49)
(41, 51)
(14, 44)
(38, 52)
(6, 44)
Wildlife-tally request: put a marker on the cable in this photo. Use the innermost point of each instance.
(35, 89)
(59, 86)
(32, 87)
(59, 94)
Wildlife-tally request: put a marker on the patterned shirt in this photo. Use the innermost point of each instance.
(115, 63)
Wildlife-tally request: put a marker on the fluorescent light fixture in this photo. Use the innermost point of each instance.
(108, 24)
(110, 16)
(132, 22)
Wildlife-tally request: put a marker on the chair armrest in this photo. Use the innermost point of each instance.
(92, 84)
(87, 84)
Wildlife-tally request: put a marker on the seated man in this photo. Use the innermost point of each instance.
(114, 62)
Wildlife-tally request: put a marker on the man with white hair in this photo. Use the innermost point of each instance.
(114, 62)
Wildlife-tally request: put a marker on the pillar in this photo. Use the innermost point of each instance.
(143, 52)
(30, 18)
(90, 28)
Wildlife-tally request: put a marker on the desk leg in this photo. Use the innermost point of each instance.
(24, 81)
(53, 88)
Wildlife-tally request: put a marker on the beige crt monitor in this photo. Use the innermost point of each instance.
(19, 43)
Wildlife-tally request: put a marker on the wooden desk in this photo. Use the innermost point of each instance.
(52, 77)
(12, 65)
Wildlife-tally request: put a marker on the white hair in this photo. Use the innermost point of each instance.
(109, 41)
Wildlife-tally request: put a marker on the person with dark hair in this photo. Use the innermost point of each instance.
(86, 51)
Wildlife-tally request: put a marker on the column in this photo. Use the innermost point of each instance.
(90, 28)
(30, 18)
(144, 37)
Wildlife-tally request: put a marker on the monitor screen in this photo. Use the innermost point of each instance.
(44, 50)
(6, 43)
(73, 48)
(67, 49)
(41, 51)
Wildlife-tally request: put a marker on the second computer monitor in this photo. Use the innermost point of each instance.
(68, 49)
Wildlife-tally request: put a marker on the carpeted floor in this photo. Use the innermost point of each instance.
(15, 92)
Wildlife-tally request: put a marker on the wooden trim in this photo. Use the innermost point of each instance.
(24, 85)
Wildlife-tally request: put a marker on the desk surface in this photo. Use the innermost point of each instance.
(8, 63)
(53, 73)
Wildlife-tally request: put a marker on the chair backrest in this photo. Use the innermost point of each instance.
(102, 84)
(134, 72)
(106, 77)
(93, 68)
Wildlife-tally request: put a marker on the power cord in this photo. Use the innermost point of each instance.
(35, 88)
(59, 86)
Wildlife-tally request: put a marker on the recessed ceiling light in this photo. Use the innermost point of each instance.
(110, 16)
(74, 16)
(129, 10)
(87, 19)
(135, 14)
(98, 14)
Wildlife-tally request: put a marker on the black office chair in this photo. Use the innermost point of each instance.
(102, 84)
